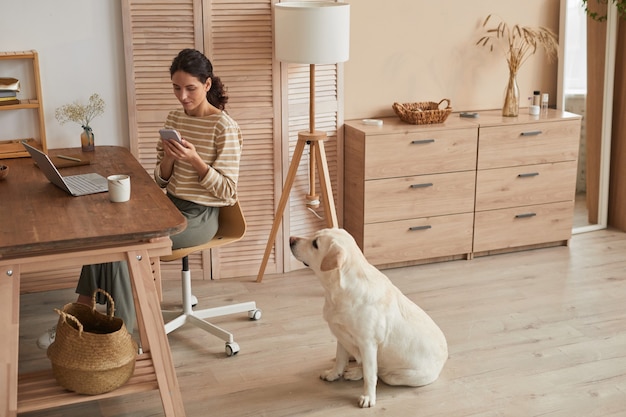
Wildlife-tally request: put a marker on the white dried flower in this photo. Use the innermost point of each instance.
(82, 114)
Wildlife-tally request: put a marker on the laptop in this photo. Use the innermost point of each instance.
(75, 185)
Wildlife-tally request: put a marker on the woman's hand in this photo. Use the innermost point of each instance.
(184, 151)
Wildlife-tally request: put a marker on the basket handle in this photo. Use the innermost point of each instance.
(447, 105)
(110, 305)
(397, 106)
(73, 318)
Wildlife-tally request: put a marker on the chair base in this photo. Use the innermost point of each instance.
(197, 318)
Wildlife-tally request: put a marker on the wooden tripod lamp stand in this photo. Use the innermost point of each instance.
(309, 33)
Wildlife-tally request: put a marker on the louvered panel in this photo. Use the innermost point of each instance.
(238, 39)
(325, 84)
(302, 221)
(49, 280)
(154, 32)
(239, 42)
(171, 270)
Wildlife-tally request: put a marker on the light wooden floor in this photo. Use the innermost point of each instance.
(536, 333)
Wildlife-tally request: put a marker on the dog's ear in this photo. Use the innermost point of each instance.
(334, 258)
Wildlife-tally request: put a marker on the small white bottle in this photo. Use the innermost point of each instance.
(544, 104)
(536, 97)
(533, 104)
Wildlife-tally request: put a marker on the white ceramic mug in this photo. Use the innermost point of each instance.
(119, 188)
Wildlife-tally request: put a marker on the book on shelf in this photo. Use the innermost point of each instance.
(9, 84)
(8, 93)
(5, 101)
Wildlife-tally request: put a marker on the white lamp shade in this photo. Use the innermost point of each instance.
(312, 32)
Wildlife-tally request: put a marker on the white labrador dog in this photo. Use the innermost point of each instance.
(388, 335)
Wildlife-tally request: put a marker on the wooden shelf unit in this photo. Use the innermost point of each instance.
(40, 390)
(12, 148)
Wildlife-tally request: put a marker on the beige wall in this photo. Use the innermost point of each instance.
(417, 50)
(401, 50)
(81, 52)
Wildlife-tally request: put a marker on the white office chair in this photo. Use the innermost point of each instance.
(232, 227)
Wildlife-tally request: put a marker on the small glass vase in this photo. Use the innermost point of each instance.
(87, 139)
(511, 97)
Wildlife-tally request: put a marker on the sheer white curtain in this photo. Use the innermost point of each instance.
(575, 65)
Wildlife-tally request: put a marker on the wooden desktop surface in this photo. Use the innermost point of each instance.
(43, 228)
(36, 216)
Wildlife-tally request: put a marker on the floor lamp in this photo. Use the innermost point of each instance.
(309, 33)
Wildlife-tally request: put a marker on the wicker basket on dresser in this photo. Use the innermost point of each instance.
(422, 193)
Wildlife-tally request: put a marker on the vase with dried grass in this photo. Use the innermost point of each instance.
(511, 96)
(82, 114)
(518, 43)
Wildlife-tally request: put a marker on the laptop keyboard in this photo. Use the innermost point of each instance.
(82, 185)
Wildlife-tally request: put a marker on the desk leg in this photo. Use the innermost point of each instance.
(9, 342)
(152, 328)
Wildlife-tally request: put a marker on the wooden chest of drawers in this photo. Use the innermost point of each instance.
(458, 189)
(409, 190)
(526, 177)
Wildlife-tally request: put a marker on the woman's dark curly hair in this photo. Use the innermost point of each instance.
(197, 64)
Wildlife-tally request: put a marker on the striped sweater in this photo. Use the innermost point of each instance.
(218, 141)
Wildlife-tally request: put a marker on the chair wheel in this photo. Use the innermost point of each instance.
(254, 314)
(194, 300)
(232, 348)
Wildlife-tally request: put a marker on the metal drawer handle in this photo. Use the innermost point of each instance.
(525, 215)
(528, 174)
(422, 141)
(414, 228)
(532, 133)
(424, 185)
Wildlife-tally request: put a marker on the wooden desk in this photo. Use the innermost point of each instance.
(42, 228)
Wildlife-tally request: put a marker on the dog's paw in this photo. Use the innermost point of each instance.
(330, 375)
(354, 373)
(367, 401)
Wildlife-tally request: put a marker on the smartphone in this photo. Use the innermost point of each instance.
(170, 134)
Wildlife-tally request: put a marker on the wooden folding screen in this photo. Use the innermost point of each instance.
(268, 99)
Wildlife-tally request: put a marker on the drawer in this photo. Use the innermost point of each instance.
(409, 240)
(419, 196)
(509, 228)
(416, 153)
(525, 185)
(528, 144)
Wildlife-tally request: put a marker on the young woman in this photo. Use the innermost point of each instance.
(200, 175)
